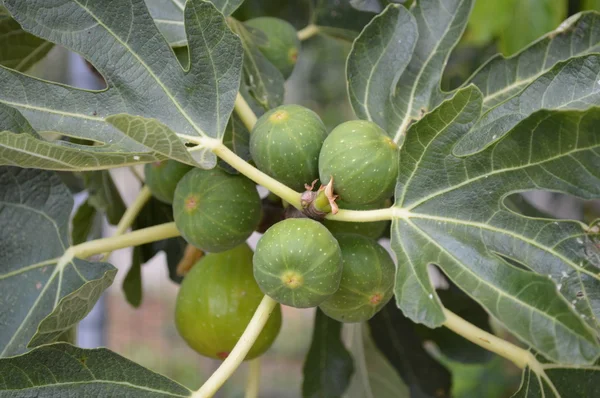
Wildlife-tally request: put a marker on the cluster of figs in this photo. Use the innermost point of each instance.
(299, 261)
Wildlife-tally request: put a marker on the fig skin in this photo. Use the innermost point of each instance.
(162, 178)
(214, 210)
(298, 263)
(363, 161)
(285, 144)
(367, 280)
(281, 46)
(216, 301)
(372, 230)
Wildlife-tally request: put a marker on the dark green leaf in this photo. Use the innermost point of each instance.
(132, 283)
(64, 370)
(451, 213)
(395, 336)
(557, 381)
(83, 221)
(104, 195)
(531, 19)
(393, 81)
(374, 376)
(43, 295)
(143, 74)
(452, 345)
(328, 365)
(19, 50)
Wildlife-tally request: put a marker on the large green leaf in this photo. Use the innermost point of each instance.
(42, 295)
(338, 18)
(450, 212)
(393, 81)
(328, 365)
(374, 376)
(559, 381)
(396, 337)
(143, 75)
(570, 84)
(500, 77)
(168, 17)
(61, 370)
(19, 50)
(104, 195)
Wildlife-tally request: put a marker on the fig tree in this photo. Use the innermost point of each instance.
(281, 44)
(285, 144)
(298, 263)
(367, 280)
(369, 229)
(363, 161)
(214, 210)
(216, 301)
(162, 178)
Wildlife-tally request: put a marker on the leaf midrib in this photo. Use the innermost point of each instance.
(97, 381)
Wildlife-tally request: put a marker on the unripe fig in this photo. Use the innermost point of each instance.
(285, 144)
(363, 161)
(216, 301)
(369, 229)
(281, 45)
(162, 178)
(298, 263)
(367, 280)
(214, 210)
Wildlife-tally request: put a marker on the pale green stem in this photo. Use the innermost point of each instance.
(308, 32)
(139, 237)
(136, 174)
(279, 189)
(245, 112)
(239, 352)
(516, 355)
(253, 384)
(362, 215)
(131, 214)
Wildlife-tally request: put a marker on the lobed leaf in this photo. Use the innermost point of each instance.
(452, 214)
(404, 56)
(42, 296)
(64, 370)
(143, 75)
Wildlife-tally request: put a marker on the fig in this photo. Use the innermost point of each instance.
(367, 280)
(162, 178)
(281, 44)
(362, 160)
(214, 210)
(369, 229)
(298, 263)
(216, 301)
(285, 144)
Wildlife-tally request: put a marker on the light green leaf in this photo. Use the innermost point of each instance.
(262, 78)
(42, 296)
(19, 50)
(451, 213)
(412, 77)
(168, 17)
(64, 370)
(21, 146)
(374, 376)
(531, 19)
(559, 381)
(500, 78)
(143, 75)
(570, 84)
(591, 5)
